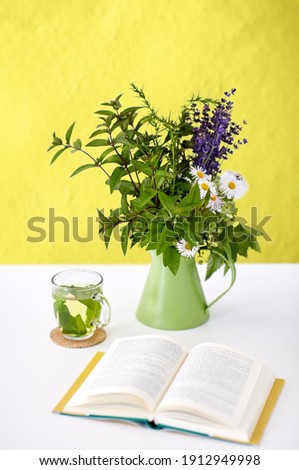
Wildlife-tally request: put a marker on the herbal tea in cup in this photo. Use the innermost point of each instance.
(78, 303)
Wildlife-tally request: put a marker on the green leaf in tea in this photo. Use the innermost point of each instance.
(69, 324)
(93, 310)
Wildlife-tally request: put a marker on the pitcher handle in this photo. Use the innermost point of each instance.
(233, 278)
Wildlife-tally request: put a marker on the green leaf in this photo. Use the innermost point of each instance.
(121, 139)
(207, 197)
(77, 144)
(192, 199)
(56, 140)
(116, 124)
(146, 183)
(144, 199)
(52, 147)
(165, 240)
(81, 327)
(108, 229)
(102, 217)
(57, 305)
(105, 112)
(98, 143)
(113, 159)
(125, 187)
(83, 168)
(124, 124)
(92, 311)
(240, 234)
(68, 323)
(151, 246)
(124, 238)
(167, 202)
(130, 110)
(125, 154)
(115, 177)
(114, 103)
(226, 247)
(142, 121)
(69, 133)
(108, 120)
(214, 263)
(161, 239)
(183, 210)
(240, 240)
(160, 177)
(171, 259)
(254, 244)
(101, 131)
(146, 238)
(105, 153)
(250, 230)
(163, 173)
(57, 154)
(124, 203)
(143, 167)
(167, 138)
(234, 252)
(107, 103)
(242, 248)
(184, 230)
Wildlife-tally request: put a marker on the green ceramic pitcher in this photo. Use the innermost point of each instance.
(177, 302)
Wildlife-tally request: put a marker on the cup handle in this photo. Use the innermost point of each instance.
(105, 312)
(233, 278)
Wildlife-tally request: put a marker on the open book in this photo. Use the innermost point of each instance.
(214, 390)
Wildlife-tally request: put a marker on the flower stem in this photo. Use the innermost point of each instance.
(123, 160)
(90, 156)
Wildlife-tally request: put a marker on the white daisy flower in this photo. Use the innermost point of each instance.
(215, 203)
(204, 186)
(185, 249)
(232, 184)
(199, 174)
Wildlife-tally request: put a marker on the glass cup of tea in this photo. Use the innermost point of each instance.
(78, 302)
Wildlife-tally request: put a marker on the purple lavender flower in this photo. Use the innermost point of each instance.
(214, 134)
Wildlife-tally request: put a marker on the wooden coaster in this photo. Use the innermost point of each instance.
(58, 338)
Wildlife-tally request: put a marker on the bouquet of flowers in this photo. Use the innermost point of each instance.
(174, 199)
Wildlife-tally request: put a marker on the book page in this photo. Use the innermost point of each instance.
(141, 365)
(216, 381)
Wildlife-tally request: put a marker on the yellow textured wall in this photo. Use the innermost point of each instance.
(59, 59)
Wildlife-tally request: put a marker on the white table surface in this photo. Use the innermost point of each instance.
(260, 316)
